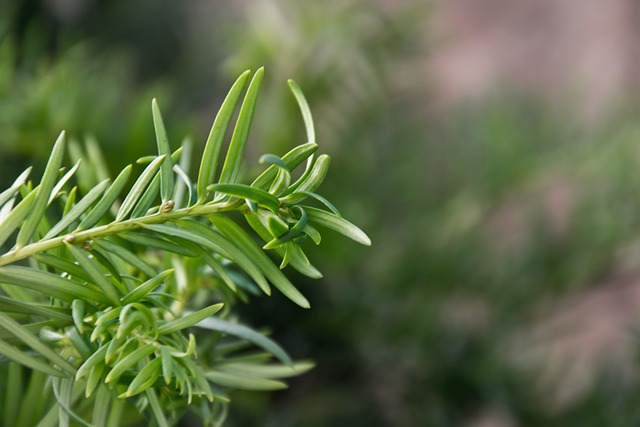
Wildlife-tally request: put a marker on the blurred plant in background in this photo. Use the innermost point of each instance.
(502, 287)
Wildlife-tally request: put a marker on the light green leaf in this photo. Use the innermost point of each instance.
(92, 267)
(336, 223)
(148, 286)
(93, 360)
(156, 408)
(232, 162)
(248, 334)
(304, 109)
(107, 201)
(43, 191)
(167, 364)
(78, 313)
(24, 359)
(292, 159)
(310, 181)
(189, 320)
(34, 342)
(145, 378)
(63, 265)
(76, 211)
(17, 215)
(128, 361)
(265, 371)
(242, 191)
(6, 195)
(158, 243)
(9, 305)
(292, 233)
(67, 176)
(227, 379)
(49, 284)
(237, 235)
(141, 183)
(200, 234)
(126, 255)
(147, 199)
(300, 263)
(101, 407)
(95, 378)
(218, 269)
(166, 170)
(209, 164)
(187, 182)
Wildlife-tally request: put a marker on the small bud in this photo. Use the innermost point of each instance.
(167, 206)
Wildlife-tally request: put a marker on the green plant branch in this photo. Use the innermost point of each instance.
(114, 228)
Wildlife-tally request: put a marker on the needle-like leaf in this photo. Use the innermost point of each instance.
(232, 162)
(166, 170)
(336, 223)
(44, 190)
(209, 164)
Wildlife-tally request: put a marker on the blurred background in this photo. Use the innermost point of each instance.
(490, 148)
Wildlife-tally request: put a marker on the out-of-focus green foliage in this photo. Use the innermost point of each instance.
(483, 217)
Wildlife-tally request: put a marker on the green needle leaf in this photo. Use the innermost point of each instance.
(166, 170)
(93, 360)
(246, 333)
(16, 216)
(336, 223)
(189, 320)
(67, 176)
(279, 280)
(209, 163)
(141, 183)
(292, 159)
(49, 284)
(200, 234)
(145, 378)
(107, 201)
(304, 109)
(76, 211)
(312, 180)
(128, 361)
(24, 359)
(231, 166)
(243, 382)
(148, 286)
(6, 195)
(9, 305)
(34, 342)
(44, 190)
(91, 266)
(126, 255)
(300, 263)
(242, 191)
